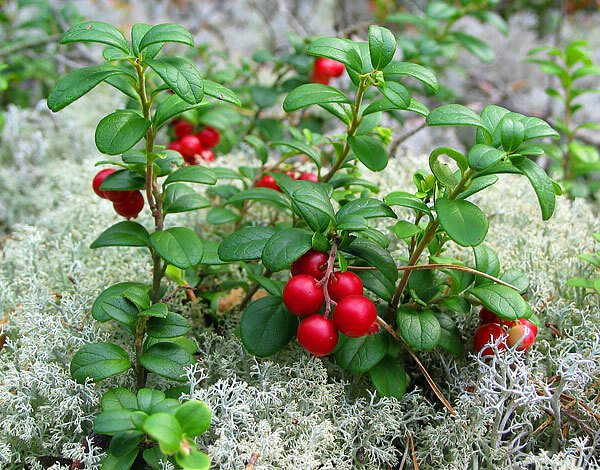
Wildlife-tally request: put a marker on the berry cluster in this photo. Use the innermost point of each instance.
(267, 181)
(325, 69)
(194, 146)
(314, 284)
(520, 333)
(126, 203)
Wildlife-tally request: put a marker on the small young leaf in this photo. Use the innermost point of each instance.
(156, 310)
(99, 361)
(98, 311)
(267, 327)
(420, 329)
(285, 247)
(312, 93)
(382, 46)
(194, 460)
(138, 31)
(126, 233)
(512, 134)
(462, 220)
(120, 131)
(179, 246)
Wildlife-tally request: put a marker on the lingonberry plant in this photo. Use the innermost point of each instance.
(577, 161)
(593, 259)
(345, 295)
(157, 334)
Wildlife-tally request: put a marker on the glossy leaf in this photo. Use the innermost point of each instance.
(166, 32)
(420, 329)
(168, 360)
(285, 247)
(370, 151)
(382, 46)
(359, 355)
(312, 93)
(389, 377)
(181, 76)
(120, 131)
(505, 302)
(337, 49)
(99, 361)
(126, 233)
(462, 220)
(179, 246)
(245, 244)
(96, 31)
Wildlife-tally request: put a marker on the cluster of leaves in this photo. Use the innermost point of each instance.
(578, 163)
(158, 334)
(593, 259)
(431, 38)
(340, 208)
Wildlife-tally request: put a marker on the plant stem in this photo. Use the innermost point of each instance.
(325, 279)
(352, 127)
(423, 244)
(568, 116)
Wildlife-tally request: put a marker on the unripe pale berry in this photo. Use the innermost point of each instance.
(522, 336)
(341, 285)
(486, 333)
(312, 263)
(99, 179)
(317, 335)
(182, 128)
(209, 136)
(354, 315)
(131, 207)
(302, 296)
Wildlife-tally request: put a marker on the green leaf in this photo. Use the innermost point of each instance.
(542, 185)
(181, 198)
(120, 131)
(99, 361)
(192, 174)
(462, 220)
(486, 261)
(166, 430)
(220, 216)
(265, 195)
(475, 46)
(124, 233)
(516, 278)
(73, 86)
(172, 106)
(156, 310)
(404, 199)
(420, 329)
(285, 247)
(121, 310)
(172, 326)
(220, 92)
(359, 355)
(450, 339)
(375, 256)
(181, 76)
(195, 460)
(267, 327)
(454, 115)
(123, 180)
(125, 84)
(312, 93)
(166, 32)
(505, 302)
(512, 134)
(336, 49)
(481, 156)
(424, 75)
(382, 46)
(168, 360)
(366, 207)
(138, 31)
(370, 151)
(478, 184)
(245, 244)
(441, 10)
(396, 94)
(118, 399)
(123, 443)
(98, 310)
(303, 148)
(259, 147)
(194, 417)
(389, 377)
(377, 283)
(404, 229)
(179, 246)
(114, 421)
(310, 200)
(96, 31)
(442, 172)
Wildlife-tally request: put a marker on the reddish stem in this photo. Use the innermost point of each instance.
(324, 280)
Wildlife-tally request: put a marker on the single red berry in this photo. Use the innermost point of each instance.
(521, 335)
(342, 285)
(316, 77)
(175, 145)
(99, 179)
(328, 67)
(207, 155)
(312, 263)
(317, 335)
(354, 315)
(291, 174)
(302, 296)
(267, 181)
(182, 128)
(190, 146)
(486, 333)
(209, 136)
(309, 177)
(132, 207)
(487, 316)
(374, 328)
(119, 196)
(526, 322)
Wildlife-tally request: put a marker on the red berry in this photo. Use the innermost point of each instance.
(374, 328)
(207, 155)
(131, 207)
(522, 335)
(99, 179)
(190, 146)
(309, 177)
(175, 145)
(342, 285)
(182, 128)
(486, 316)
(316, 77)
(291, 174)
(354, 315)
(267, 181)
(486, 333)
(119, 196)
(312, 263)
(209, 136)
(317, 335)
(328, 67)
(302, 296)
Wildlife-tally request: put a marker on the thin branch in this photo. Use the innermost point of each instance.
(30, 44)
